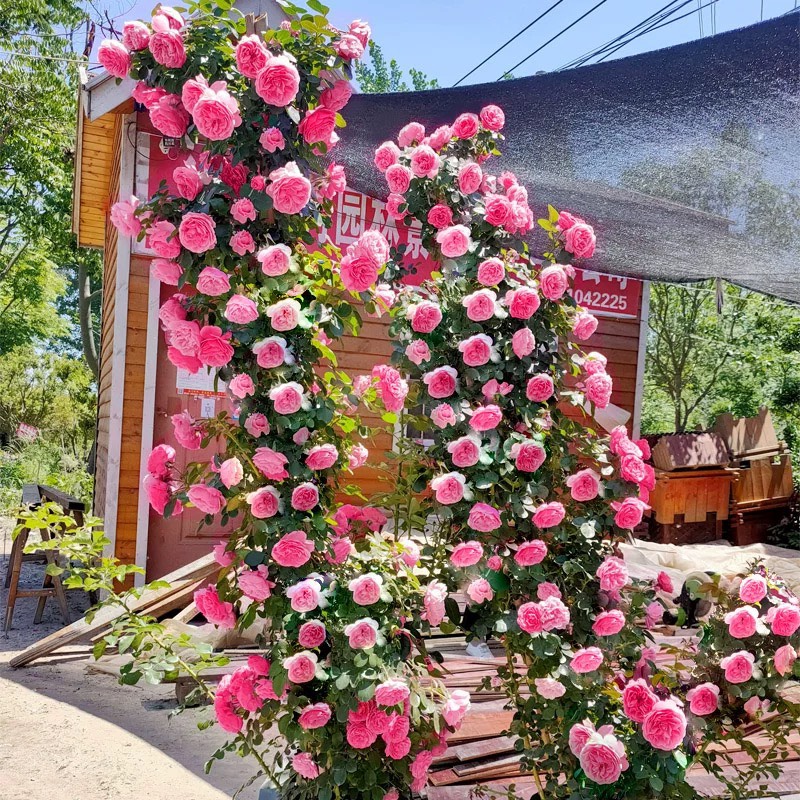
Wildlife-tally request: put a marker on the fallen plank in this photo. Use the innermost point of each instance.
(198, 570)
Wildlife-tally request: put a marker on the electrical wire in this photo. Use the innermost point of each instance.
(38, 57)
(552, 39)
(502, 46)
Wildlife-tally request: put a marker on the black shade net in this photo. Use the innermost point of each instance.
(686, 160)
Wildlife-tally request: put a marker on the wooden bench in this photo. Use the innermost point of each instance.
(33, 495)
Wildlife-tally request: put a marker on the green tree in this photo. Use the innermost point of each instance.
(377, 76)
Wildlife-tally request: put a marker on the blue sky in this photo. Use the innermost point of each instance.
(447, 38)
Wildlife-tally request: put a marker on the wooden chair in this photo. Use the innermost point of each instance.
(33, 495)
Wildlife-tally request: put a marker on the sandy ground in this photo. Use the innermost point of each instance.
(69, 734)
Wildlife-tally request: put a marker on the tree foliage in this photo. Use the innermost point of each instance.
(379, 76)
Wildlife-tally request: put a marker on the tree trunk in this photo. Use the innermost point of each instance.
(87, 326)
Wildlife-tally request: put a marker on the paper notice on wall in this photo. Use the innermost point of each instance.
(204, 383)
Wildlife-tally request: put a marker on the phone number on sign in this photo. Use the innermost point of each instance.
(601, 301)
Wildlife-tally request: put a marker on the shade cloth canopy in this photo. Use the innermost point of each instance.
(686, 160)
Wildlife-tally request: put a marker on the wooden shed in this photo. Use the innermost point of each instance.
(119, 154)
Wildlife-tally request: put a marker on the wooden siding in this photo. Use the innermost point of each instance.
(104, 387)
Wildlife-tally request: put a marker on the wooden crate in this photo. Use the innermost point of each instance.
(690, 450)
(751, 521)
(691, 495)
(761, 479)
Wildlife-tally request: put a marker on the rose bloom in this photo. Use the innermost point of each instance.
(424, 161)
(254, 584)
(703, 699)
(530, 553)
(398, 178)
(114, 58)
(492, 118)
(470, 177)
(449, 488)
(241, 310)
(578, 736)
(440, 216)
(362, 634)
(480, 590)
(251, 56)
(522, 303)
(337, 96)
(197, 232)
(322, 456)
(358, 456)
(215, 348)
(784, 619)
(738, 666)
(289, 189)
(433, 600)
(549, 688)
(441, 382)
(168, 272)
(584, 485)
(277, 82)
(272, 352)
(484, 518)
(638, 699)
(784, 659)
(443, 415)
(367, 589)
(753, 589)
(553, 282)
(215, 610)
(742, 622)
(539, 388)
(477, 350)
(529, 618)
(608, 623)
(584, 325)
(454, 241)
(135, 35)
(242, 242)
(548, 515)
(358, 271)
(629, 512)
(216, 113)
(497, 209)
(424, 316)
(256, 425)
(160, 460)
(293, 549)
(213, 282)
(466, 554)
(613, 574)
(465, 452)
(166, 45)
(528, 456)
(285, 314)
(486, 418)
(456, 707)
(603, 758)
(554, 614)
(391, 693)
(418, 351)
(410, 134)
(169, 117)
(305, 596)
(264, 502)
(146, 95)
(546, 589)
(187, 181)
(301, 667)
(158, 492)
(206, 498)
(523, 342)
(231, 472)
(386, 155)
(580, 240)
(124, 218)
(466, 126)
(317, 125)
(241, 386)
(586, 660)
(314, 716)
(305, 497)
(491, 272)
(665, 726)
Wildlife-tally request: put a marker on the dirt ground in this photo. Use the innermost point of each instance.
(70, 734)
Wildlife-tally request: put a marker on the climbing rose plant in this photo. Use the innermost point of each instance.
(526, 502)
(340, 702)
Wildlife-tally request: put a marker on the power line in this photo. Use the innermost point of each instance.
(700, 17)
(553, 38)
(515, 36)
(589, 54)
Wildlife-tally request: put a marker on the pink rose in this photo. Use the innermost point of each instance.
(231, 472)
(491, 272)
(243, 210)
(398, 178)
(305, 596)
(465, 451)
(148, 96)
(530, 553)
(256, 425)
(632, 469)
(548, 515)
(449, 488)
(124, 218)
(549, 688)
(486, 418)
(241, 386)
(523, 342)
(753, 589)
(539, 388)
(608, 623)
(454, 241)
(206, 498)
(665, 726)
(492, 118)
(553, 282)
(565, 221)
(584, 485)
(522, 303)
(441, 382)
(586, 660)
(322, 456)
(742, 622)
(578, 736)
(215, 348)
(272, 352)
(386, 155)
(396, 206)
(215, 610)
(167, 48)
(188, 435)
(433, 600)
(222, 555)
(301, 667)
(264, 502)
(440, 137)
(160, 460)
(424, 316)
(484, 518)
(272, 139)
(480, 590)
(289, 189)
(584, 325)
(197, 232)
(497, 209)
(528, 456)
(477, 350)
(358, 456)
(114, 58)
(579, 239)
(529, 618)
(424, 161)
(612, 574)
(278, 82)
(470, 177)
(391, 693)
(456, 707)
(242, 242)
(337, 96)
(784, 659)
(629, 512)
(314, 716)
(362, 634)
(169, 116)
(703, 699)
(213, 282)
(271, 463)
(443, 415)
(466, 126)
(410, 134)
(192, 91)
(317, 125)
(168, 272)
(312, 634)
(466, 554)
(784, 619)
(367, 589)
(216, 114)
(546, 589)
(638, 699)
(251, 56)
(664, 583)
(293, 549)
(187, 181)
(738, 666)
(285, 315)
(358, 271)
(418, 351)
(275, 260)
(305, 497)
(158, 492)
(241, 310)
(254, 584)
(305, 766)
(135, 35)
(440, 216)
(603, 758)
(554, 614)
